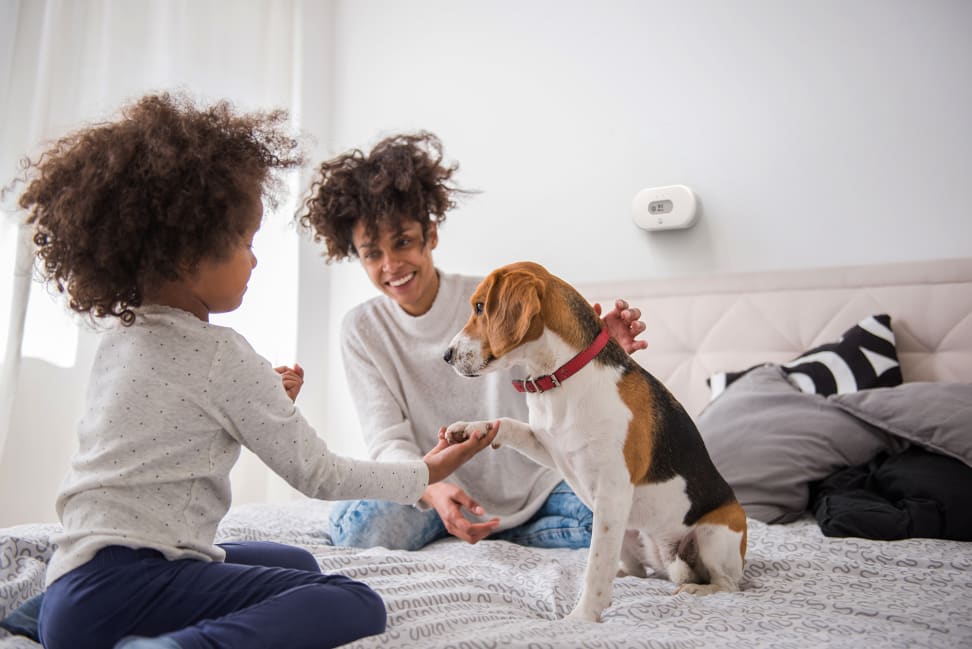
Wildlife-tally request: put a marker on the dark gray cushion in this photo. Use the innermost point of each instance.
(770, 440)
(936, 416)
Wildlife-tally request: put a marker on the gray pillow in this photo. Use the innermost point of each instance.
(936, 416)
(769, 440)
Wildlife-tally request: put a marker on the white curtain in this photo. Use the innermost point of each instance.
(67, 62)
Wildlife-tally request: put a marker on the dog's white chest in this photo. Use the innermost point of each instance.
(583, 425)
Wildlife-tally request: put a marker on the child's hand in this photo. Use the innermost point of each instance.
(293, 379)
(446, 458)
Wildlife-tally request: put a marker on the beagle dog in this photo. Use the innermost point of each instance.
(622, 442)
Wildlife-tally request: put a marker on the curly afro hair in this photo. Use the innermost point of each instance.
(402, 179)
(121, 206)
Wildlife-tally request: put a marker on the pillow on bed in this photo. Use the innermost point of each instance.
(922, 491)
(769, 440)
(936, 416)
(864, 357)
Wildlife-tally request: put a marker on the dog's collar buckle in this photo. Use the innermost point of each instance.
(568, 369)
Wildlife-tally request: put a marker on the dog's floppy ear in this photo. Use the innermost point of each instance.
(512, 311)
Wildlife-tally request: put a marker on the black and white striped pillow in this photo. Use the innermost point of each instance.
(864, 357)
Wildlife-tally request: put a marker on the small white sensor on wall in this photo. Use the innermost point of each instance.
(665, 208)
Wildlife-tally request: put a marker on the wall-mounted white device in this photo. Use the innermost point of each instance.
(665, 208)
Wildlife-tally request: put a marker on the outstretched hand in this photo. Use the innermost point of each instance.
(446, 458)
(293, 379)
(448, 500)
(625, 325)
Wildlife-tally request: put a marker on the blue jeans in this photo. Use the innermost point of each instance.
(563, 521)
(265, 595)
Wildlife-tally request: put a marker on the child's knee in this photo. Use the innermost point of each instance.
(374, 615)
(303, 560)
(356, 611)
(270, 554)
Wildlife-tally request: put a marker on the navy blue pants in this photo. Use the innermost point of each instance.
(264, 595)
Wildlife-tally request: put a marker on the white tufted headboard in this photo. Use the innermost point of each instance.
(701, 325)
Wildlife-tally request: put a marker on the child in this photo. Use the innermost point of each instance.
(384, 208)
(147, 223)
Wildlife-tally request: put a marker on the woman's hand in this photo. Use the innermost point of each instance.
(448, 501)
(293, 379)
(624, 324)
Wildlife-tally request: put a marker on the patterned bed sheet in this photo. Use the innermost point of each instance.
(800, 589)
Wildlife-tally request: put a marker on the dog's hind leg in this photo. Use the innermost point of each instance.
(684, 566)
(612, 504)
(633, 551)
(719, 555)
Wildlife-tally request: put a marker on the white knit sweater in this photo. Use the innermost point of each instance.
(404, 392)
(170, 402)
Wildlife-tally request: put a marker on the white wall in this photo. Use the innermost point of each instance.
(814, 132)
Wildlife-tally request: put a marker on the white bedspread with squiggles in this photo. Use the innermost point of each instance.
(801, 589)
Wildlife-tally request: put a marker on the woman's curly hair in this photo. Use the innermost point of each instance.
(120, 206)
(402, 179)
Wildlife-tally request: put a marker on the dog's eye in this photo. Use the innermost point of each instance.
(478, 308)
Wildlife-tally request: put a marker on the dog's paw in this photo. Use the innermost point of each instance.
(455, 433)
(460, 431)
(583, 615)
(700, 589)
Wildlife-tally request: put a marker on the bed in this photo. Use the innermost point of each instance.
(801, 588)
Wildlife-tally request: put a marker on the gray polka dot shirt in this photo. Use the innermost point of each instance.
(171, 400)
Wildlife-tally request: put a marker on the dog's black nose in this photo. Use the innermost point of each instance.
(447, 357)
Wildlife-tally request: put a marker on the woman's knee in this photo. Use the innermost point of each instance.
(347, 522)
(374, 523)
(564, 502)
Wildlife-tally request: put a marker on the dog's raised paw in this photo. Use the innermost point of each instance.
(460, 431)
(456, 435)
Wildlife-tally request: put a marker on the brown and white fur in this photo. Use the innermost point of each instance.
(621, 440)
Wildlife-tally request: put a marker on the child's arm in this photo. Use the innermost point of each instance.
(244, 395)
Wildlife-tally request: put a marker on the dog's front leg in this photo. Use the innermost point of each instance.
(612, 505)
(512, 432)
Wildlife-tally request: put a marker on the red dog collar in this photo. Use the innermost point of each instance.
(567, 370)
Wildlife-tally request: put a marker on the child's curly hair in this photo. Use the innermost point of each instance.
(403, 178)
(121, 206)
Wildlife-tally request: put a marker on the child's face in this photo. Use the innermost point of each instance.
(219, 284)
(399, 263)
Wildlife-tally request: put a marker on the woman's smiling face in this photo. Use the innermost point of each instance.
(399, 262)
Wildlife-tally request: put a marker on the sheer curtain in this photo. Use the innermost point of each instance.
(67, 62)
